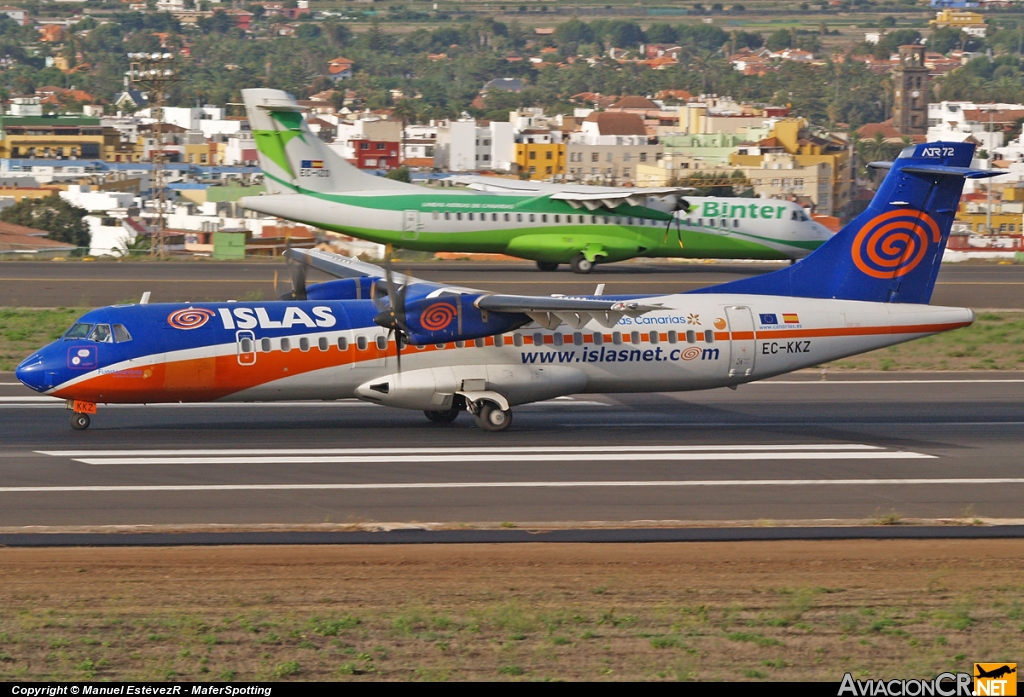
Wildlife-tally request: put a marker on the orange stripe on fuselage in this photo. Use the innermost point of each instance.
(211, 378)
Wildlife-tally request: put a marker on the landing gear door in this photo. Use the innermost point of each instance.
(410, 225)
(245, 343)
(742, 347)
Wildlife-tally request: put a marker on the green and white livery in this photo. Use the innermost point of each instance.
(551, 224)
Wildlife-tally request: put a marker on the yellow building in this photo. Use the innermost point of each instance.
(1007, 216)
(541, 160)
(204, 153)
(62, 138)
(958, 19)
(791, 136)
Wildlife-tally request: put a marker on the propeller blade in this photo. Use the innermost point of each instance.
(297, 271)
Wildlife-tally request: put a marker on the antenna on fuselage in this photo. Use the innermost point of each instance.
(145, 298)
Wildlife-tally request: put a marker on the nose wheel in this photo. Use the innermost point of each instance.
(79, 422)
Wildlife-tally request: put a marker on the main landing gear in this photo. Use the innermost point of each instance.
(444, 417)
(489, 416)
(547, 265)
(580, 264)
(493, 418)
(79, 422)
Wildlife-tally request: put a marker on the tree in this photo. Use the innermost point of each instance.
(376, 40)
(573, 31)
(946, 39)
(400, 174)
(661, 33)
(338, 34)
(59, 218)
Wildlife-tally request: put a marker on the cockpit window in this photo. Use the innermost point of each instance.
(121, 334)
(101, 334)
(79, 331)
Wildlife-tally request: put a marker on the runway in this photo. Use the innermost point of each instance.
(92, 284)
(852, 447)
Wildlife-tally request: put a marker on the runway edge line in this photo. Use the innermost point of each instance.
(604, 535)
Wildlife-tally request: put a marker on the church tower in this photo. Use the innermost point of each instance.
(911, 91)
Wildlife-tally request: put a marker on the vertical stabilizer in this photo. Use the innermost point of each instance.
(893, 250)
(293, 158)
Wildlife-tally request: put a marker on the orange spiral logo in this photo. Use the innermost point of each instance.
(690, 353)
(437, 316)
(893, 244)
(189, 318)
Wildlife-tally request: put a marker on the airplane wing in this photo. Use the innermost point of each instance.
(548, 311)
(576, 195)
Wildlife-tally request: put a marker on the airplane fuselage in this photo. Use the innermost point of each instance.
(539, 228)
(285, 350)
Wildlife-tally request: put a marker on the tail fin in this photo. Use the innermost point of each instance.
(293, 158)
(892, 251)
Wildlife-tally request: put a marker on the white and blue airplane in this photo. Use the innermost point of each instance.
(413, 344)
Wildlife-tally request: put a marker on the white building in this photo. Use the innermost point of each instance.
(957, 121)
(365, 126)
(465, 146)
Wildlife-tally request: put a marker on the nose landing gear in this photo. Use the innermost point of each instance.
(80, 415)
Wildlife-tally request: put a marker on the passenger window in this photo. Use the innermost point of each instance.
(121, 334)
(577, 339)
(286, 345)
(559, 339)
(303, 344)
(499, 340)
(323, 343)
(709, 336)
(538, 339)
(245, 346)
(519, 217)
(382, 342)
(736, 222)
(634, 337)
(517, 339)
(439, 347)
(691, 337)
(458, 216)
(342, 343)
(616, 338)
(447, 216)
(265, 345)
(544, 218)
(494, 217)
(470, 216)
(460, 344)
(361, 343)
(558, 218)
(479, 343)
(673, 337)
(653, 337)
(507, 217)
(78, 331)
(598, 339)
(435, 215)
(532, 217)
(101, 334)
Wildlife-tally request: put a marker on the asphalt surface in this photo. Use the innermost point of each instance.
(798, 448)
(92, 284)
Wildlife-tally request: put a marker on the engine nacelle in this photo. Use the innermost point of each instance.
(447, 318)
(434, 389)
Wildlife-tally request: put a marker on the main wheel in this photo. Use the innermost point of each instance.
(580, 264)
(547, 265)
(493, 418)
(443, 417)
(79, 422)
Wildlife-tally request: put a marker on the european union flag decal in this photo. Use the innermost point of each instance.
(769, 319)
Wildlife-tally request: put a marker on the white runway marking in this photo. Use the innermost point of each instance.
(510, 485)
(481, 450)
(377, 456)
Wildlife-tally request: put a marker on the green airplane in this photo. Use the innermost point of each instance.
(551, 224)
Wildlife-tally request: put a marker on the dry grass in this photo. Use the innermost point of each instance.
(784, 610)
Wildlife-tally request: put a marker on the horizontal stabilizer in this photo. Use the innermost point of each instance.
(967, 172)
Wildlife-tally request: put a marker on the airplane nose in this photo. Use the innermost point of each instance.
(32, 373)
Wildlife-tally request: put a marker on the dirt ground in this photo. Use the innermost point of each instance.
(704, 611)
